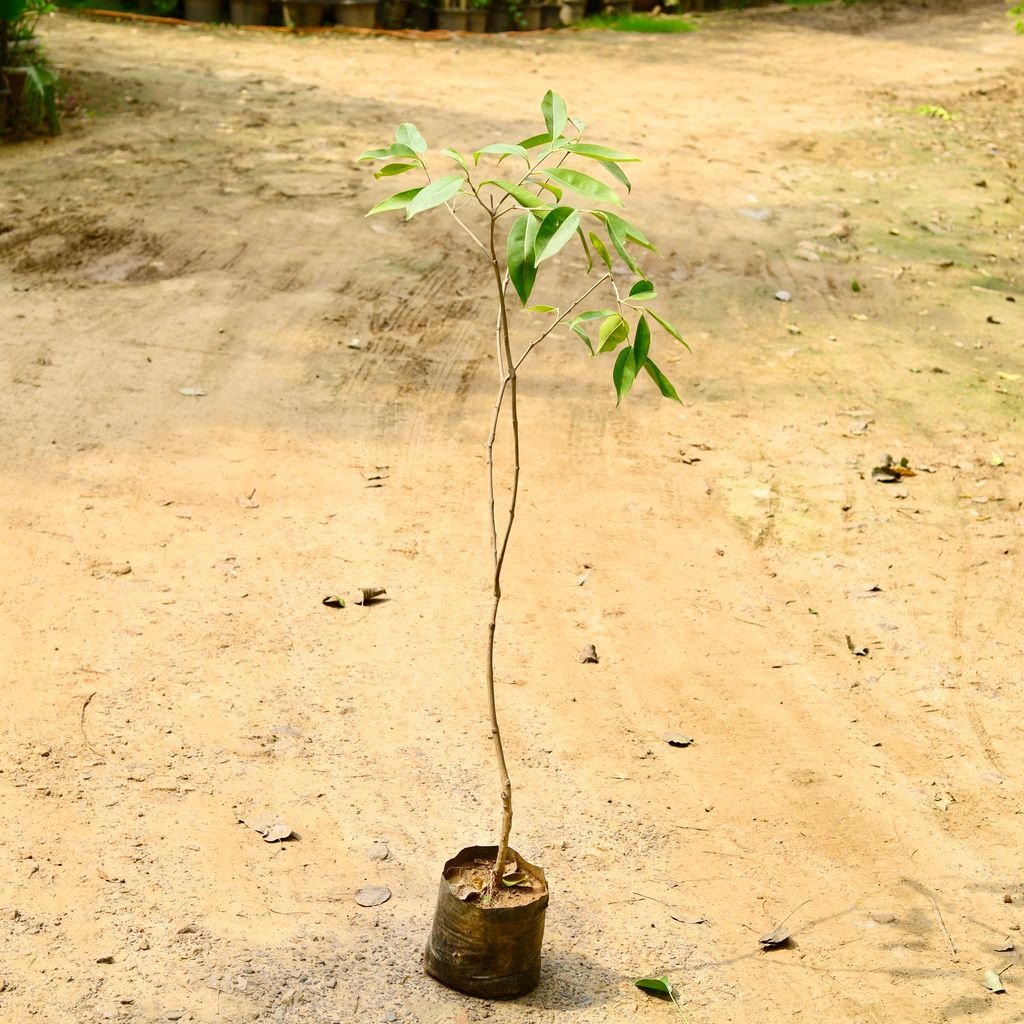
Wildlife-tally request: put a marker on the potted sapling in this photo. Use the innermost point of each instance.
(520, 205)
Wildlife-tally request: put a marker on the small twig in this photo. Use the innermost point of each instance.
(749, 622)
(945, 931)
(81, 725)
(560, 320)
(793, 911)
(654, 899)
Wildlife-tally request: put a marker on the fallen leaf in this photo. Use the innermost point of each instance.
(775, 939)
(677, 739)
(689, 920)
(660, 987)
(1007, 946)
(378, 852)
(192, 392)
(859, 650)
(993, 982)
(783, 296)
(269, 826)
(334, 601)
(588, 656)
(367, 595)
(889, 472)
(1009, 376)
(373, 895)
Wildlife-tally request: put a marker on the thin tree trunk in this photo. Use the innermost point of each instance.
(507, 382)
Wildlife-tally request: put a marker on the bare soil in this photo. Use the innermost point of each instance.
(170, 668)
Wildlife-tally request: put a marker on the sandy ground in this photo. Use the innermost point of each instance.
(169, 667)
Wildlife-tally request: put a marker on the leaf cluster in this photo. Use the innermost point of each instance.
(544, 201)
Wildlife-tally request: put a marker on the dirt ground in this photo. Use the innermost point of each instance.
(169, 665)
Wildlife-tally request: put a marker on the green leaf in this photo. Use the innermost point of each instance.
(390, 170)
(623, 374)
(600, 249)
(387, 154)
(618, 173)
(542, 309)
(664, 385)
(594, 314)
(643, 289)
(454, 154)
(407, 135)
(641, 342)
(535, 140)
(582, 183)
(583, 334)
(627, 230)
(660, 987)
(519, 878)
(523, 196)
(11, 10)
(618, 240)
(578, 124)
(399, 201)
(522, 269)
(600, 153)
(437, 192)
(555, 114)
(591, 314)
(503, 149)
(668, 327)
(555, 230)
(553, 189)
(586, 249)
(613, 333)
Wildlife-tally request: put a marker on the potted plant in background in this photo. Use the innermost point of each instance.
(421, 15)
(477, 15)
(355, 13)
(28, 85)
(560, 13)
(204, 10)
(391, 13)
(250, 12)
(463, 15)
(489, 921)
(305, 13)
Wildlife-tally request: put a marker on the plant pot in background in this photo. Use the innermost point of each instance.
(250, 12)
(304, 15)
(532, 14)
(499, 19)
(204, 10)
(355, 13)
(491, 952)
(452, 20)
(420, 17)
(15, 79)
(560, 13)
(391, 13)
(476, 20)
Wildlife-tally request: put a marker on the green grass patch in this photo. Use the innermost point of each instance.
(639, 23)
